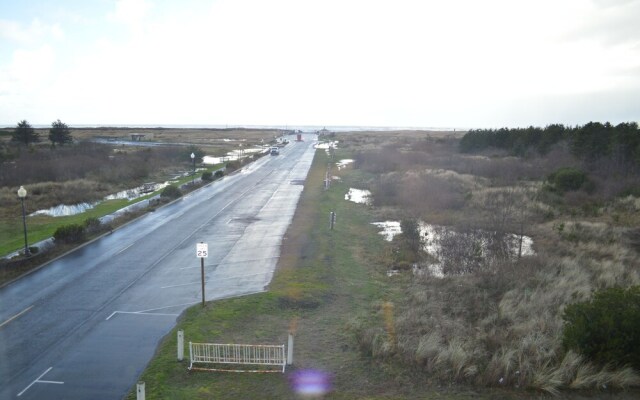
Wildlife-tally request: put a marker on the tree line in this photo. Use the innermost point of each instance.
(590, 142)
(59, 133)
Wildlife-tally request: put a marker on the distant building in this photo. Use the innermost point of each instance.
(139, 137)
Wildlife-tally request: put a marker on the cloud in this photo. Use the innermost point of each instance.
(610, 22)
(372, 62)
(33, 33)
(27, 71)
(130, 12)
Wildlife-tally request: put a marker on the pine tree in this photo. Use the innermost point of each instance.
(60, 133)
(24, 133)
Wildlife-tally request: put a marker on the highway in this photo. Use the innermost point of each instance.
(86, 325)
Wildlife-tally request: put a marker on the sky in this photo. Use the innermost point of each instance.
(393, 63)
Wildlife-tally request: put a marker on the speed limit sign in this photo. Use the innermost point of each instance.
(202, 250)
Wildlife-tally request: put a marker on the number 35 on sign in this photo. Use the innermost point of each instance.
(202, 250)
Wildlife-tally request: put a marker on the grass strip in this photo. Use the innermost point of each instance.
(42, 227)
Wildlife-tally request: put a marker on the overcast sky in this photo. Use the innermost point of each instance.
(402, 63)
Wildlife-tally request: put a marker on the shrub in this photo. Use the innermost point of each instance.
(171, 192)
(219, 174)
(92, 225)
(411, 234)
(72, 233)
(207, 176)
(606, 329)
(233, 165)
(631, 190)
(568, 179)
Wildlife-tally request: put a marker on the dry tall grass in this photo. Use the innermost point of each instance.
(500, 324)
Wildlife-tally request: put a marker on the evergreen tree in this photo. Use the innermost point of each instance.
(60, 133)
(24, 133)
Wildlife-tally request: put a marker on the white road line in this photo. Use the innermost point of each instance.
(37, 380)
(148, 311)
(124, 249)
(175, 305)
(139, 313)
(16, 316)
(268, 201)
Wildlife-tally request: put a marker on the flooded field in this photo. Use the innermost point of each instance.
(464, 249)
(64, 210)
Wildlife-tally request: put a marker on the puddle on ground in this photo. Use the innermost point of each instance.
(438, 240)
(343, 163)
(327, 146)
(234, 155)
(64, 210)
(390, 229)
(360, 196)
(132, 194)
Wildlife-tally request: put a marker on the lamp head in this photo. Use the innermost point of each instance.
(22, 192)
(193, 156)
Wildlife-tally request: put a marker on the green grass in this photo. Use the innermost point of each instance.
(42, 227)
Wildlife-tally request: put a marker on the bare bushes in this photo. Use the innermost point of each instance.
(495, 319)
(388, 159)
(86, 161)
(50, 194)
(418, 193)
(463, 252)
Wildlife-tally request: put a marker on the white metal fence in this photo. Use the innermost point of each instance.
(245, 354)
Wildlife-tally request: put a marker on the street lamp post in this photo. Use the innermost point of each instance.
(193, 178)
(22, 193)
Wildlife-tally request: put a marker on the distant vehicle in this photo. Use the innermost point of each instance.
(274, 151)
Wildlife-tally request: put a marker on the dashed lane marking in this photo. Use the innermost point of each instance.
(16, 316)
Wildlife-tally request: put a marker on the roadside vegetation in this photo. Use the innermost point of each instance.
(495, 318)
(493, 326)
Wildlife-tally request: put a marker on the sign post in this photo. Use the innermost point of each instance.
(202, 252)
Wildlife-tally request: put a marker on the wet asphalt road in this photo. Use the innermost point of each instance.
(85, 326)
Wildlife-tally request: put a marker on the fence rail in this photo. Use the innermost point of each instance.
(244, 354)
